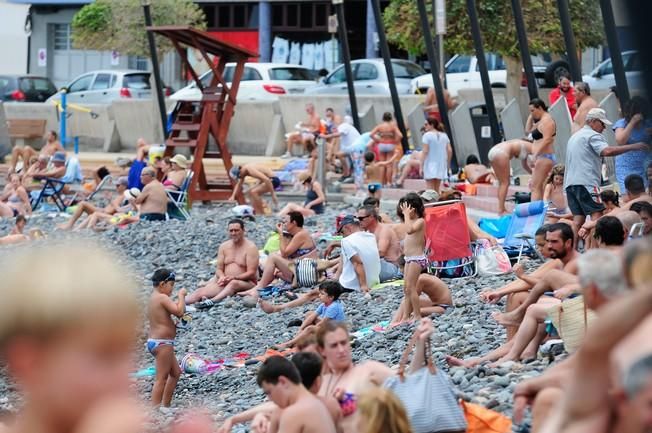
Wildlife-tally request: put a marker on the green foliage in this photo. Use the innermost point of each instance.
(120, 25)
(541, 17)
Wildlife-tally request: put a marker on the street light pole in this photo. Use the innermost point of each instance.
(525, 50)
(155, 67)
(569, 40)
(614, 50)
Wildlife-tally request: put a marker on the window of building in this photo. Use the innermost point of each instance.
(233, 17)
(138, 63)
(62, 40)
(210, 12)
(303, 16)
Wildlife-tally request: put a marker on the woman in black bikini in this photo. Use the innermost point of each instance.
(542, 138)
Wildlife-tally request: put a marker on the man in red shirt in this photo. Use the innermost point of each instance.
(566, 90)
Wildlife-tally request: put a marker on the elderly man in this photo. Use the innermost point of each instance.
(307, 130)
(267, 183)
(585, 103)
(237, 266)
(584, 154)
(389, 247)
(360, 260)
(152, 202)
(89, 208)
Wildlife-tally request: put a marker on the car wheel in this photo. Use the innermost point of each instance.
(554, 71)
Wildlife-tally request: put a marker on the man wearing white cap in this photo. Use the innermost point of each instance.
(584, 154)
(113, 207)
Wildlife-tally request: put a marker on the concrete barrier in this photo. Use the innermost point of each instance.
(256, 129)
(610, 105)
(463, 135)
(513, 128)
(135, 119)
(93, 130)
(5, 140)
(34, 110)
(559, 112)
(415, 122)
(367, 117)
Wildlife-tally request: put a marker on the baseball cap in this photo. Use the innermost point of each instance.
(598, 114)
(235, 172)
(346, 220)
(429, 195)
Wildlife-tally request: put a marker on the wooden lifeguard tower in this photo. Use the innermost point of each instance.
(196, 122)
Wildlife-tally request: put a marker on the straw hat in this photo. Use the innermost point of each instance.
(572, 318)
(180, 160)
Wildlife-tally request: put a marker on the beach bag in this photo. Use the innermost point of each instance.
(427, 395)
(479, 419)
(273, 243)
(492, 260)
(306, 273)
(453, 268)
(571, 319)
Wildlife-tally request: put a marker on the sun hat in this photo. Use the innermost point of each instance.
(180, 160)
(132, 193)
(429, 195)
(59, 157)
(598, 114)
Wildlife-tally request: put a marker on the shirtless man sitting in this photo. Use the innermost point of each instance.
(585, 103)
(51, 146)
(296, 243)
(389, 246)
(89, 208)
(434, 297)
(237, 266)
(152, 202)
(305, 136)
(267, 183)
(301, 410)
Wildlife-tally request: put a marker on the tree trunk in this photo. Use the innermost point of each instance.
(514, 75)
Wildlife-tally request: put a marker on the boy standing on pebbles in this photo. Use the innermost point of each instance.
(162, 332)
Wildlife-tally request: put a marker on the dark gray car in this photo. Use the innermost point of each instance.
(25, 88)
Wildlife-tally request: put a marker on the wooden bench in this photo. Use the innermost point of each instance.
(24, 129)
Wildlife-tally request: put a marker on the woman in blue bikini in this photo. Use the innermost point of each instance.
(543, 138)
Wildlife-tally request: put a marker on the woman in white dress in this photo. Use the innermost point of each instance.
(436, 154)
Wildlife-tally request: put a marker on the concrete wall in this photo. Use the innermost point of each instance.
(33, 110)
(463, 134)
(559, 112)
(513, 128)
(13, 50)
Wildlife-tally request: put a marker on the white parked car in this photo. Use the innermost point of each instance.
(369, 78)
(260, 82)
(462, 72)
(102, 87)
(602, 77)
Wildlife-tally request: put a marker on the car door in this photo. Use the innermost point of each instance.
(335, 83)
(98, 93)
(458, 75)
(77, 89)
(293, 79)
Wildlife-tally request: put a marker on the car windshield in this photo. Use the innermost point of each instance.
(38, 84)
(290, 74)
(406, 70)
(136, 81)
(458, 65)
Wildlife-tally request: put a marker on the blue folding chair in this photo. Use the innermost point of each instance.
(178, 200)
(526, 220)
(53, 187)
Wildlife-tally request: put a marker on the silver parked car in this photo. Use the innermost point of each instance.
(369, 78)
(103, 87)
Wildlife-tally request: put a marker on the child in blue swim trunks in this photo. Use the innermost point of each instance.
(162, 331)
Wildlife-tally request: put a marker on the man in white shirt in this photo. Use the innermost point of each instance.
(348, 136)
(360, 267)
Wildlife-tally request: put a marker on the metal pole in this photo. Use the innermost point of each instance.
(639, 11)
(569, 40)
(155, 67)
(341, 27)
(384, 49)
(64, 117)
(484, 73)
(434, 68)
(614, 50)
(525, 50)
(265, 31)
(321, 172)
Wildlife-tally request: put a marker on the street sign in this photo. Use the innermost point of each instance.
(332, 24)
(115, 58)
(42, 57)
(440, 16)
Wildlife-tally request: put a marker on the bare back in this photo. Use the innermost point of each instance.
(580, 116)
(307, 415)
(387, 237)
(386, 131)
(156, 200)
(374, 173)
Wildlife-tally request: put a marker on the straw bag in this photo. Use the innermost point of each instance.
(427, 395)
(571, 318)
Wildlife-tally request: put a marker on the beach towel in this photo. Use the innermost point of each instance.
(308, 56)
(281, 50)
(319, 57)
(295, 53)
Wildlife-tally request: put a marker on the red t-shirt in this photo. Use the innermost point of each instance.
(570, 99)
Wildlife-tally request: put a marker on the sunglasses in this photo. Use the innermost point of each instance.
(361, 218)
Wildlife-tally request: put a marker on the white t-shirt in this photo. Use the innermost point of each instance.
(436, 164)
(348, 136)
(362, 244)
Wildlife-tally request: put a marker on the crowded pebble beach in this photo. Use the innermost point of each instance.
(229, 328)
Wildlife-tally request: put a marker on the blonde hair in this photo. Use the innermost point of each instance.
(52, 286)
(383, 412)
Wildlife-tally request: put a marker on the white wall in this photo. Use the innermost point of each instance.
(13, 49)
